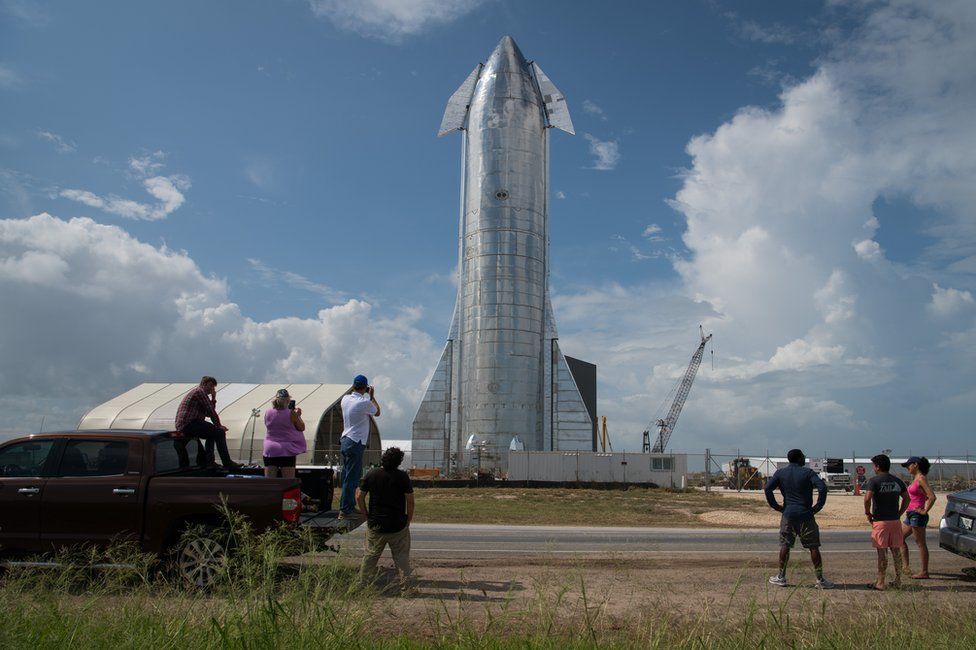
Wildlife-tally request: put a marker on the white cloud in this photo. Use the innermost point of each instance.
(99, 311)
(450, 278)
(560, 195)
(62, 145)
(606, 153)
(652, 233)
(8, 76)
(948, 302)
(868, 249)
(392, 20)
(778, 204)
(772, 74)
(34, 267)
(147, 164)
(592, 108)
(834, 299)
(15, 186)
(635, 253)
(774, 33)
(29, 13)
(167, 190)
(800, 354)
(260, 173)
(273, 277)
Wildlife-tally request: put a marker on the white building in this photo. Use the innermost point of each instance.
(152, 406)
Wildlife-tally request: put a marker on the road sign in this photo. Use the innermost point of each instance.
(860, 470)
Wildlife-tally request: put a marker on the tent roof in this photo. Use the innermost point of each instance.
(152, 406)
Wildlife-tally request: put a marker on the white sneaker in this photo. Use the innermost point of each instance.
(823, 583)
(778, 581)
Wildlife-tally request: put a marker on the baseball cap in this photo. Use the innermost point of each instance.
(282, 393)
(360, 381)
(911, 459)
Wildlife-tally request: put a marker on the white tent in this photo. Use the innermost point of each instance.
(152, 406)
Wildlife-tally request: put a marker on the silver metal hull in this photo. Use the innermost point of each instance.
(501, 374)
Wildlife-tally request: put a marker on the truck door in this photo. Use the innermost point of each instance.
(95, 495)
(22, 484)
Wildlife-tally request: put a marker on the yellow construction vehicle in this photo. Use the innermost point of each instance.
(741, 475)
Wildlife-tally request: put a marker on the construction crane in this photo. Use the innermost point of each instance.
(666, 426)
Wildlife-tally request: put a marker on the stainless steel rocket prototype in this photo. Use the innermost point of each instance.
(501, 373)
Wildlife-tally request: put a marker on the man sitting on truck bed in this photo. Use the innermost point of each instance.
(200, 403)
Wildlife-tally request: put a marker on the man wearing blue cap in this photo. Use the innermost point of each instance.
(357, 407)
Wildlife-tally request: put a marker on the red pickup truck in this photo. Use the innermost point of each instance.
(98, 487)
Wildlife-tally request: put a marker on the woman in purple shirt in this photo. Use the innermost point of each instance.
(285, 438)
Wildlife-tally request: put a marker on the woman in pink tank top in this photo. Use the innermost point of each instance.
(285, 438)
(920, 500)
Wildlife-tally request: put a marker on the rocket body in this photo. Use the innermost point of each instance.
(501, 373)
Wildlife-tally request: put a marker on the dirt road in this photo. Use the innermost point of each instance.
(843, 510)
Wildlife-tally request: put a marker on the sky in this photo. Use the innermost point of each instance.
(255, 190)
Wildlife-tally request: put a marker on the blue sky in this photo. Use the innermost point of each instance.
(260, 195)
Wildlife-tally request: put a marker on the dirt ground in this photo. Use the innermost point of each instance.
(843, 510)
(619, 592)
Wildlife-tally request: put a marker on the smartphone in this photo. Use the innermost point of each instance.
(291, 405)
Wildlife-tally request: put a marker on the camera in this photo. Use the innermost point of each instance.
(291, 405)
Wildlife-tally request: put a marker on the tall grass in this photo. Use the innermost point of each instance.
(259, 602)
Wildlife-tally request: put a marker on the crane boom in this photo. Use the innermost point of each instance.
(666, 426)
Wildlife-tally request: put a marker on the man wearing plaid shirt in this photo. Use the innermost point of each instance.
(200, 403)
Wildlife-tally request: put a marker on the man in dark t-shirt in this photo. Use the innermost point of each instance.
(388, 516)
(883, 510)
(796, 482)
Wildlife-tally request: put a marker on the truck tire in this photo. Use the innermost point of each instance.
(199, 559)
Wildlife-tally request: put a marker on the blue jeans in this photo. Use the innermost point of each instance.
(352, 471)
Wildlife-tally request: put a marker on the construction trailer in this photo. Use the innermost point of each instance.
(666, 470)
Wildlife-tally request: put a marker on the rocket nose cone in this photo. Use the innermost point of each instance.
(507, 56)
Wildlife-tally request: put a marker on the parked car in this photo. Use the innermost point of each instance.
(957, 531)
(96, 488)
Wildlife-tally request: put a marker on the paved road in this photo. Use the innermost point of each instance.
(487, 541)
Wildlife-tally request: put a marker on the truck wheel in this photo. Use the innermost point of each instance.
(199, 560)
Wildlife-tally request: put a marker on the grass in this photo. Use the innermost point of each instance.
(257, 603)
(565, 507)
(320, 608)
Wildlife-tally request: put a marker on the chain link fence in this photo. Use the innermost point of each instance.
(738, 470)
(713, 469)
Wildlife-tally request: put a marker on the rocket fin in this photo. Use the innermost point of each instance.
(550, 322)
(557, 112)
(573, 426)
(456, 113)
(432, 424)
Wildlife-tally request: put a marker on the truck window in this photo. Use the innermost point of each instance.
(94, 458)
(24, 458)
(174, 454)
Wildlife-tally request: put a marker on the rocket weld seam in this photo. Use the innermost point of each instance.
(521, 231)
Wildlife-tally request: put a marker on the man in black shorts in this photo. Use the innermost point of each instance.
(796, 483)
